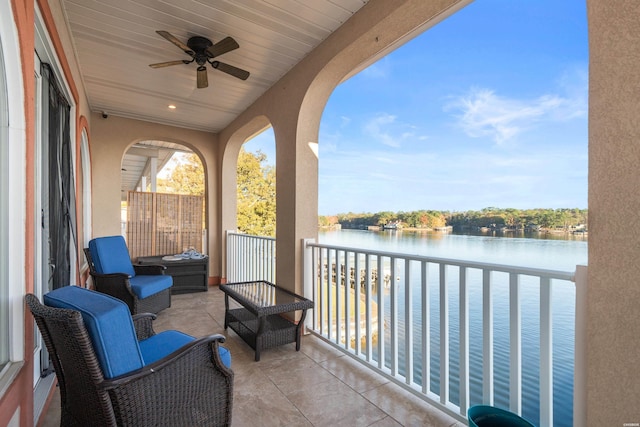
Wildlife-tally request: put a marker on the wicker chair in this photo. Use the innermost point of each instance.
(189, 386)
(144, 288)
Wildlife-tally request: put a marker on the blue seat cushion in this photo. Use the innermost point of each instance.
(144, 286)
(163, 344)
(225, 356)
(110, 255)
(109, 325)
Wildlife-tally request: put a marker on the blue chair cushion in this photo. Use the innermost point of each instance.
(110, 255)
(109, 325)
(144, 286)
(225, 356)
(163, 344)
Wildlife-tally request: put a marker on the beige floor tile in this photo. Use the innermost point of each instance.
(318, 386)
(406, 408)
(351, 372)
(333, 403)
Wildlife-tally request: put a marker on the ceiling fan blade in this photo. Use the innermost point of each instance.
(167, 35)
(202, 77)
(230, 69)
(169, 63)
(225, 45)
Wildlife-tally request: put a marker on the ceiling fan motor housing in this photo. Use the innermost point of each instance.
(199, 46)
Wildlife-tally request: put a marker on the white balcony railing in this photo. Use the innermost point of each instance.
(455, 333)
(250, 258)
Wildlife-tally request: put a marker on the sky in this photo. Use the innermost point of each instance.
(486, 109)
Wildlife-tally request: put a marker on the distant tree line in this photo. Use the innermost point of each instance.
(491, 217)
(414, 219)
(256, 205)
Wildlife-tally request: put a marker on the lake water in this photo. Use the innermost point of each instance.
(551, 252)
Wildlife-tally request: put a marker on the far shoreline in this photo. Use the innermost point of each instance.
(570, 235)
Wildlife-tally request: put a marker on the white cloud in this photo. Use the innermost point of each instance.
(376, 128)
(483, 113)
(387, 130)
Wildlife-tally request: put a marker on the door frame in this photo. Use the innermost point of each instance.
(45, 52)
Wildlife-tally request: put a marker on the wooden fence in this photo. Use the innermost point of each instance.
(163, 224)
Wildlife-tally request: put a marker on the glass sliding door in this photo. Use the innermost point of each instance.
(61, 186)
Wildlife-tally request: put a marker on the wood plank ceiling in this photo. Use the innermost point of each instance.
(116, 40)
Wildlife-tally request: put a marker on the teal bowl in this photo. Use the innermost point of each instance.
(490, 416)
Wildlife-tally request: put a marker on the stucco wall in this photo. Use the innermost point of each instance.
(613, 328)
(111, 137)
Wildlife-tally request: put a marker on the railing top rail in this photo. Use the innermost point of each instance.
(527, 271)
(250, 236)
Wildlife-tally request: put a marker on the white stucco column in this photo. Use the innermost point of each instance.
(297, 197)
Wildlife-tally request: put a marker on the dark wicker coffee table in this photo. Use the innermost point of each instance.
(260, 321)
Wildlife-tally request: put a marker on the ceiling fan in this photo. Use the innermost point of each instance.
(202, 51)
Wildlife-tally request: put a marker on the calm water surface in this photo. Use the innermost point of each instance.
(551, 252)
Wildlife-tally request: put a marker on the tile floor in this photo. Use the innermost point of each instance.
(318, 386)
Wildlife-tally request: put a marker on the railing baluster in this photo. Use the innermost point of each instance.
(357, 297)
(444, 336)
(380, 301)
(347, 300)
(487, 338)
(408, 324)
(546, 354)
(515, 344)
(464, 340)
(321, 300)
(367, 309)
(315, 285)
(243, 250)
(259, 261)
(338, 304)
(426, 331)
(393, 322)
(329, 293)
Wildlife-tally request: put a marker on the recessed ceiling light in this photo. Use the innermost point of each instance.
(172, 107)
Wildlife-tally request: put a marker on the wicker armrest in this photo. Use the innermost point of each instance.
(149, 270)
(208, 343)
(111, 276)
(188, 387)
(143, 324)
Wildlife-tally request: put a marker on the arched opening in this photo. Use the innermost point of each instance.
(163, 207)
(465, 123)
(256, 186)
(494, 115)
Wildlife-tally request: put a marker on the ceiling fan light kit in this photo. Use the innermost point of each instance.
(202, 51)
